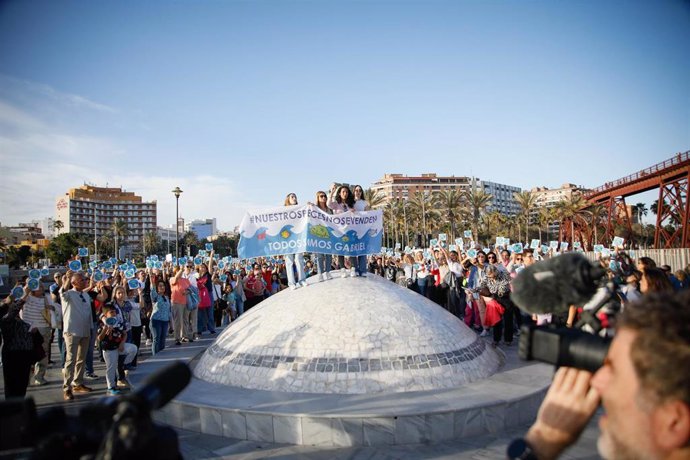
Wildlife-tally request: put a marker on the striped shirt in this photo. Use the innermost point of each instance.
(32, 312)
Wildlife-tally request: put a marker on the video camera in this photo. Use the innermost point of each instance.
(114, 427)
(554, 286)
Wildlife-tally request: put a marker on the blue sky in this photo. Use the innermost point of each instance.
(240, 103)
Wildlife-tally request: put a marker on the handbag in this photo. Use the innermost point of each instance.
(494, 312)
(192, 298)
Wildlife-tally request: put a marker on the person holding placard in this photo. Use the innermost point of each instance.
(360, 205)
(341, 200)
(160, 316)
(178, 296)
(77, 324)
(422, 273)
(204, 284)
(17, 342)
(292, 260)
(36, 312)
(323, 261)
(476, 268)
(136, 300)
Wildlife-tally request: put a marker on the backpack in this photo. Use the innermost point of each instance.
(192, 298)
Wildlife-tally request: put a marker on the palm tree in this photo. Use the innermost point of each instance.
(477, 201)
(374, 198)
(526, 200)
(58, 225)
(568, 209)
(421, 208)
(449, 204)
(190, 239)
(596, 213)
(151, 241)
(544, 218)
(389, 218)
(641, 210)
(120, 230)
(496, 219)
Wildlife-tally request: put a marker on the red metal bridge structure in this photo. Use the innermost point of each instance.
(670, 177)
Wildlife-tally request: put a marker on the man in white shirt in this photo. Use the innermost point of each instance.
(77, 319)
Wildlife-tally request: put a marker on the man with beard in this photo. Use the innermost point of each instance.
(643, 387)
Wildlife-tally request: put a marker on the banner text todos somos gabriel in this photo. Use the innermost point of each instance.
(306, 228)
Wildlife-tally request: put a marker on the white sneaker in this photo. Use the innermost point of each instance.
(484, 333)
(343, 272)
(148, 342)
(294, 286)
(303, 283)
(320, 278)
(353, 273)
(328, 276)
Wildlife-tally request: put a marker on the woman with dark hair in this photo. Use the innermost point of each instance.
(294, 259)
(360, 205)
(644, 263)
(496, 287)
(17, 348)
(477, 268)
(655, 280)
(340, 201)
(323, 261)
(204, 284)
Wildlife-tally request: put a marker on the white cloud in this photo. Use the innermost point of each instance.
(42, 161)
(48, 94)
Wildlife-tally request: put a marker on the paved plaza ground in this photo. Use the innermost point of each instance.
(200, 446)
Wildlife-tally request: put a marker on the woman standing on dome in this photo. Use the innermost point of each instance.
(323, 261)
(340, 201)
(360, 205)
(294, 259)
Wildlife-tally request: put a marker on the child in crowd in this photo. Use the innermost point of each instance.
(111, 339)
(230, 312)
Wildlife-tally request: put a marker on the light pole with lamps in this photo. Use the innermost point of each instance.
(177, 192)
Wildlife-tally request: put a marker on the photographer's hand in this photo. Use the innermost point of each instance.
(564, 413)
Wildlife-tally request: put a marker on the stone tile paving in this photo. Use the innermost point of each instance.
(394, 340)
(198, 446)
(195, 446)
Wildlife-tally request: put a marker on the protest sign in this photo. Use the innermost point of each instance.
(83, 252)
(33, 284)
(299, 229)
(75, 265)
(17, 292)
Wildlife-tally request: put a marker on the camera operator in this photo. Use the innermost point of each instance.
(643, 386)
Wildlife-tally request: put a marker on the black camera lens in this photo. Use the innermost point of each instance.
(563, 347)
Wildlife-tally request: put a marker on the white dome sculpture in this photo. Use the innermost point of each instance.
(347, 336)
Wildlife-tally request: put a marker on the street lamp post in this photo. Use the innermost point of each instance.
(177, 192)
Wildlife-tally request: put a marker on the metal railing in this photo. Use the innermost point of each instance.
(657, 168)
(677, 258)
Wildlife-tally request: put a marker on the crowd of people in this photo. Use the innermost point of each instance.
(112, 316)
